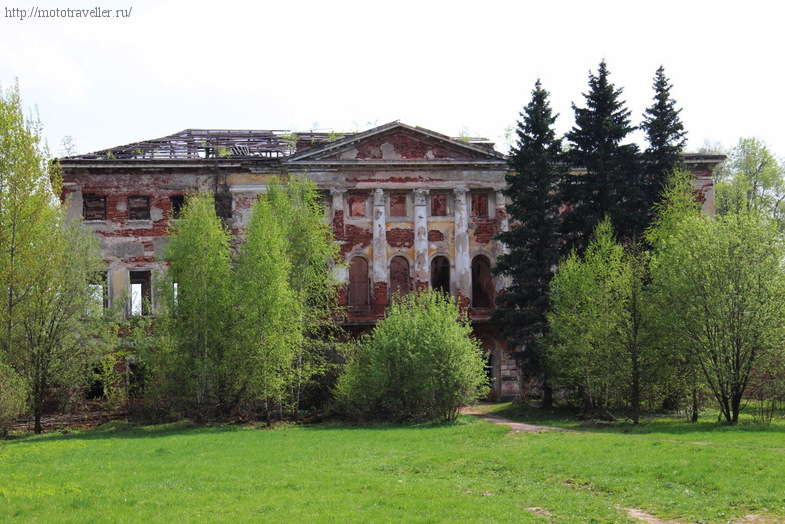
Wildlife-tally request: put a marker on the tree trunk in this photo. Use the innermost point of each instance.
(547, 397)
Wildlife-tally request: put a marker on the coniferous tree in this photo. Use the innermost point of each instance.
(532, 241)
(611, 183)
(666, 136)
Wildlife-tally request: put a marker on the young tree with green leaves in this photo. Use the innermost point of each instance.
(271, 318)
(600, 341)
(723, 281)
(312, 253)
(751, 179)
(420, 362)
(46, 268)
(666, 136)
(611, 184)
(203, 365)
(533, 244)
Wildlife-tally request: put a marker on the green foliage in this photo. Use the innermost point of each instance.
(532, 240)
(312, 253)
(13, 398)
(271, 325)
(199, 322)
(666, 136)
(611, 185)
(46, 268)
(751, 179)
(723, 283)
(419, 362)
(243, 333)
(587, 319)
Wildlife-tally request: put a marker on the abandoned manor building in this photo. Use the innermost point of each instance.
(410, 208)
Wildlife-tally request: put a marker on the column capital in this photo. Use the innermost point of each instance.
(420, 196)
(337, 192)
(379, 196)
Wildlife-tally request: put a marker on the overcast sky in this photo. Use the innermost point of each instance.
(449, 66)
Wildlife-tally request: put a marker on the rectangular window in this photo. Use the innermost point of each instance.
(141, 292)
(99, 293)
(94, 207)
(356, 205)
(480, 205)
(439, 205)
(398, 205)
(176, 202)
(223, 206)
(139, 208)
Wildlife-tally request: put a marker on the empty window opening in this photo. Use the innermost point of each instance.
(482, 283)
(223, 206)
(480, 205)
(359, 285)
(94, 207)
(397, 205)
(99, 294)
(399, 276)
(439, 205)
(141, 292)
(440, 274)
(139, 208)
(177, 203)
(356, 205)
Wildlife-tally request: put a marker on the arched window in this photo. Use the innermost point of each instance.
(482, 282)
(399, 276)
(359, 287)
(440, 274)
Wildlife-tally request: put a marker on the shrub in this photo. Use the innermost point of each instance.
(12, 398)
(421, 362)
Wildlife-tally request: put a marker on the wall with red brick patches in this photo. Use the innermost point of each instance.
(434, 235)
(355, 238)
(406, 147)
(485, 229)
(399, 237)
(338, 224)
(379, 298)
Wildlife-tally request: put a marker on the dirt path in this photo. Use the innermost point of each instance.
(516, 427)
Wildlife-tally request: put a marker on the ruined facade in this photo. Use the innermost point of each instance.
(410, 209)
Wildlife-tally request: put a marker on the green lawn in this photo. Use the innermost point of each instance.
(471, 471)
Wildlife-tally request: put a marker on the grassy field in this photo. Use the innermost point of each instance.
(472, 471)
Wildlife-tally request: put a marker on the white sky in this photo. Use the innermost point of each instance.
(449, 66)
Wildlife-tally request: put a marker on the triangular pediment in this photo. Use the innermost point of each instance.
(396, 143)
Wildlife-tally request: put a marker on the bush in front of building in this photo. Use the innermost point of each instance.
(420, 362)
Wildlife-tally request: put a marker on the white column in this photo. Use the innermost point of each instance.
(421, 266)
(379, 236)
(463, 263)
(502, 282)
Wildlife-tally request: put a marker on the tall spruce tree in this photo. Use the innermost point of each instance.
(666, 136)
(532, 241)
(611, 183)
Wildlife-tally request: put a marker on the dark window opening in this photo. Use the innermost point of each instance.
(482, 283)
(94, 207)
(439, 205)
(141, 292)
(479, 205)
(356, 205)
(359, 285)
(399, 276)
(139, 208)
(397, 205)
(177, 203)
(223, 206)
(440, 274)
